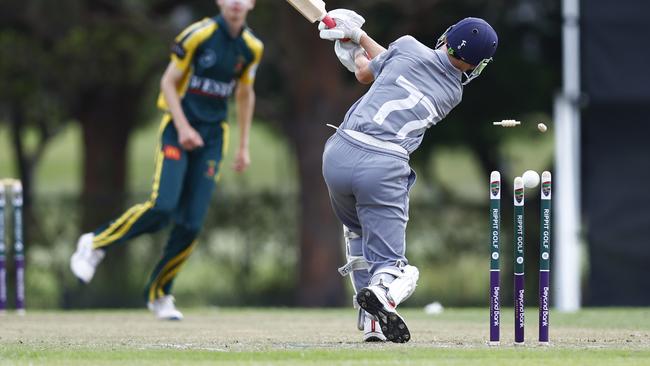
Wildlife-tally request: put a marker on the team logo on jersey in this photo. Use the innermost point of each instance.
(239, 66)
(208, 58)
(212, 169)
(210, 87)
(172, 152)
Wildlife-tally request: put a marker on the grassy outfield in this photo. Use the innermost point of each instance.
(315, 337)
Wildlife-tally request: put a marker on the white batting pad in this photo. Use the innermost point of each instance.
(404, 282)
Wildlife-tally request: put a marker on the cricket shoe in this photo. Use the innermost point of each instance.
(85, 259)
(373, 299)
(164, 309)
(371, 329)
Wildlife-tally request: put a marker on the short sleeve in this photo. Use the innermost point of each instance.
(189, 40)
(377, 63)
(257, 48)
(401, 47)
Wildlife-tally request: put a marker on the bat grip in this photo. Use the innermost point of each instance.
(329, 22)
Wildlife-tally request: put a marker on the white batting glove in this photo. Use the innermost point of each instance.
(346, 52)
(348, 25)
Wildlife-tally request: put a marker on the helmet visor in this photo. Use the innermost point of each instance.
(476, 71)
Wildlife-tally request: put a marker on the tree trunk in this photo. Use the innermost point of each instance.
(316, 96)
(104, 170)
(105, 140)
(320, 234)
(26, 165)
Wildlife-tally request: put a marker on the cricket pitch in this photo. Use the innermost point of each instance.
(316, 337)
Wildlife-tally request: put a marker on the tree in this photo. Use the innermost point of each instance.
(29, 105)
(309, 90)
(92, 62)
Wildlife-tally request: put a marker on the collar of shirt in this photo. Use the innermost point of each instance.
(225, 28)
(442, 56)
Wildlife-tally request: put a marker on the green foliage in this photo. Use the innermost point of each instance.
(26, 85)
(247, 255)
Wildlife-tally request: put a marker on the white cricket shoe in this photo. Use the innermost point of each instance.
(371, 329)
(164, 309)
(85, 259)
(373, 299)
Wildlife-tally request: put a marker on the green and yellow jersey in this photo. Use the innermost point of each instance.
(212, 62)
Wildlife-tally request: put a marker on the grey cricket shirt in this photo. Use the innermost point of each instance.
(415, 87)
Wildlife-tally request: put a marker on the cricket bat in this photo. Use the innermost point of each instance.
(313, 10)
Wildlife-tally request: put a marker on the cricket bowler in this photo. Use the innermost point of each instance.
(211, 60)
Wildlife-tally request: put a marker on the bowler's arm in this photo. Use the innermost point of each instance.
(188, 137)
(362, 59)
(245, 101)
(168, 85)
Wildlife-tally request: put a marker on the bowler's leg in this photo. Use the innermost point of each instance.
(202, 170)
(150, 216)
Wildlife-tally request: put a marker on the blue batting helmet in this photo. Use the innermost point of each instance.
(472, 40)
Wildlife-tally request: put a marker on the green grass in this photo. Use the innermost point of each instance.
(316, 337)
(342, 357)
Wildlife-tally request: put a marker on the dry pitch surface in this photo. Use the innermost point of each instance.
(315, 337)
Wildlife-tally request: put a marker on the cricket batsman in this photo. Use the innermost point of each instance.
(366, 162)
(210, 61)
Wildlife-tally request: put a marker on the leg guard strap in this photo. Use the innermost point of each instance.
(354, 264)
(400, 282)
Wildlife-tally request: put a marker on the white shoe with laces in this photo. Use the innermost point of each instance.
(85, 259)
(372, 329)
(164, 309)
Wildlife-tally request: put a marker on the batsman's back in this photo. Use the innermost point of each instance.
(415, 87)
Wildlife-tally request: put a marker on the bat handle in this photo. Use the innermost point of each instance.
(329, 22)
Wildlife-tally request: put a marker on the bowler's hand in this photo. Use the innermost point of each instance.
(189, 138)
(242, 160)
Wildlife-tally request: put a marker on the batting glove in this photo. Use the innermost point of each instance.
(346, 52)
(348, 26)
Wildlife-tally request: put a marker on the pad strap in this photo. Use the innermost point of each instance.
(400, 282)
(354, 264)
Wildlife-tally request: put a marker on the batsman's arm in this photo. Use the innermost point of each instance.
(373, 49)
(362, 59)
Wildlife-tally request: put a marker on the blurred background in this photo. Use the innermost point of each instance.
(78, 122)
